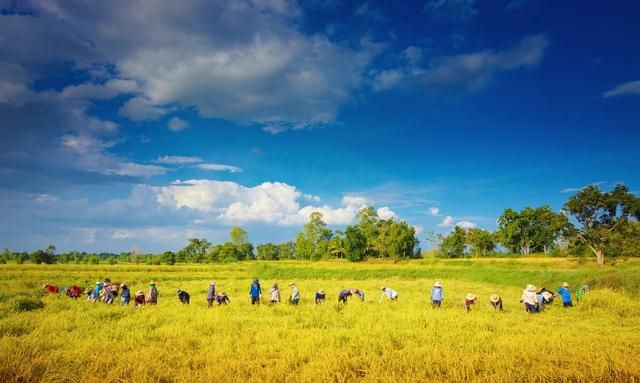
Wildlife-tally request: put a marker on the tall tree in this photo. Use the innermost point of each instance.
(482, 242)
(238, 236)
(600, 215)
(368, 224)
(354, 243)
(453, 245)
(196, 250)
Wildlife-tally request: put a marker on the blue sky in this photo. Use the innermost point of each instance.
(136, 125)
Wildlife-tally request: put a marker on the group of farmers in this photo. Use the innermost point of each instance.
(107, 292)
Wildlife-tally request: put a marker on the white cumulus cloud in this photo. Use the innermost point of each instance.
(219, 168)
(466, 225)
(446, 222)
(434, 211)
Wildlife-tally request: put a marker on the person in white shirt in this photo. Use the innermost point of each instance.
(388, 292)
(530, 299)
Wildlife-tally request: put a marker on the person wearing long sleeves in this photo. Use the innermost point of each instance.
(344, 295)
(581, 292)
(437, 295)
(255, 291)
(530, 299)
(320, 296)
(183, 296)
(469, 299)
(295, 294)
(126, 294)
(496, 301)
(222, 298)
(139, 299)
(389, 293)
(211, 294)
(152, 294)
(274, 294)
(565, 293)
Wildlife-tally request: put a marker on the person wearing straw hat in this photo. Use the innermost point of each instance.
(565, 294)
(295, 294)
(152, 294)
(126, 294)
(496, 301)
(96, 291)
(138, 299)
(437, 295)
(358, 293)
(530, 299)
(211, 294)
(274, 294)
(320, 296)
(389, 293)
(581, 292)
(469, 300)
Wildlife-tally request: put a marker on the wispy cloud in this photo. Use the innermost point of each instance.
(177, 124)
(577, 189)
(628, 88)
(434, 211)
(219, 168)
(178, 160)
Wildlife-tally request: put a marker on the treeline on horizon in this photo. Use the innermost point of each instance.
(591, 223)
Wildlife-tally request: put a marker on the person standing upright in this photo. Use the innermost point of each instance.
(255, 291)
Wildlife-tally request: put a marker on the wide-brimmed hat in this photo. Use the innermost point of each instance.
(223, 294)
(88, 290)
(547, 295)
(531, 288)
(123, 285)
(321, 291)
(212, 284)
(291, 283)
(98, 283)
(152, 283)
(383, 288)
(437, 284)
(178, 292)
(139, 293)
(44, 285)
(494, 298)
(565, 284)
(471, 297)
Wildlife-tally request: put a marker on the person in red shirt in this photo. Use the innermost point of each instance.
(139, 300)
(50, 289)
(74, 292)
(469, 300)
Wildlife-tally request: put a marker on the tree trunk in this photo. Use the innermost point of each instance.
(599, 254)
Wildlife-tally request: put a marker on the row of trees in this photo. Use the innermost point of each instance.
(605, 223)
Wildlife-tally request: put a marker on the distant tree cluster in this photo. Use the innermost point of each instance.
(603, 223)
(590, 222)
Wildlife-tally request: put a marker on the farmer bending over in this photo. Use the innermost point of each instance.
(388, 292)
(469, 300)
(152, 294)
(496, 301)
(295, 294)
(274, 294)
(183, 296)
(320, 296)
(530, 299)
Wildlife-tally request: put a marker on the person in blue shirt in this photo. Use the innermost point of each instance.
(126, 294)
(320, 296)
(255, 292)
(565, 293)
(436, 295)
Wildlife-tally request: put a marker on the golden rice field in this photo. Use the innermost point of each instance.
(402, 341)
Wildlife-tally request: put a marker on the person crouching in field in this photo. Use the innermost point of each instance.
(469, 300)
(74, 292)
(496, 301)
(530, 299)
(96, 292)
(389, 293)
(89, 293)
(183, 296)
(274, 294)
(581, 292)
(344, 295)
(295, 294)
(255, 291)
(152, 294)
(436, 295)
(358, 293)
(222, 299)
(565, 293)
(211, 294)
(126, 295)
(139, 299)
(320, 296)
(50, 289)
